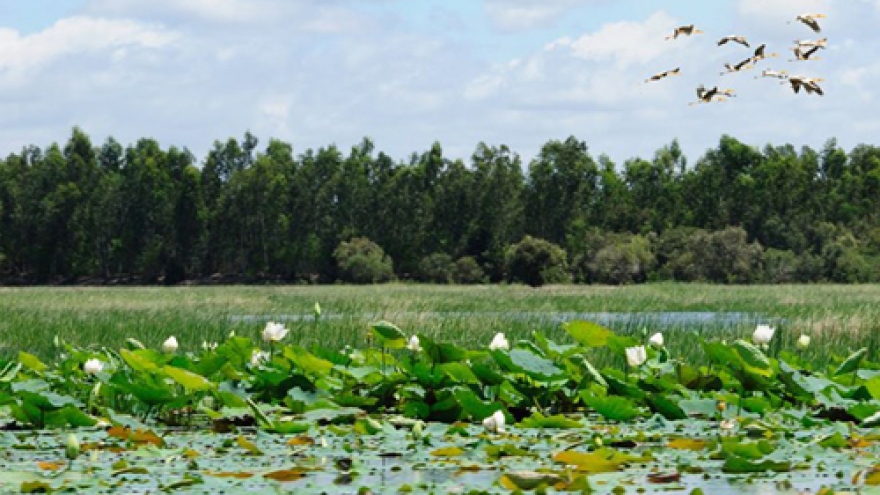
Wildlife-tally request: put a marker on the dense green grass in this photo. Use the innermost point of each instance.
(839, 318)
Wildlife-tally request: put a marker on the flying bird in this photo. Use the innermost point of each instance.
(761, 55)
(736, 39)
(745, 64)
(660, 75)
(821, 43)
(709, 95)
(810, 84)
(683, 31)
(810, 21)
(803, 55)
(778, 74)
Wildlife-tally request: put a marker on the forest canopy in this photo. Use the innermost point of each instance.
(146, 214)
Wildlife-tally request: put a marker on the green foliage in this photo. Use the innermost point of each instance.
(468, 271)
(362, 261)
(437, 268)
(537, 262)
(143, 213)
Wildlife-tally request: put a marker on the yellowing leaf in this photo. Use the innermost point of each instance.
(686, 444)
(301, 440)
(286, 475)
(190, 380)
(529, 480)
(137, 436)
(600, 461)
(873, 476)
(248, 445)
(30, 361)
(447, 452)
(51, 466)
(239, 475)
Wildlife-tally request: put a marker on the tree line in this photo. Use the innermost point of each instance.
(146, 214)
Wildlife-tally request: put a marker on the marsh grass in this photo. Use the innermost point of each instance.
(838, 318)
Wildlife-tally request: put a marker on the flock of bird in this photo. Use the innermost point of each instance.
(804, 50)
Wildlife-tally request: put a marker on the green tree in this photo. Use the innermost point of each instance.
(362, 261)
(537, 262)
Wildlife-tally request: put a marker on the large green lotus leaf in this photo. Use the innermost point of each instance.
(538, 420)
(863, 410)
(620, 387)
(752, 356)
(47, 400)
(210, 364)
(737, 464)
(389, 335)
(873, 387)
(748, 450)
(238, 350)
(706, 408)
(722, 354)
(306, 361)
(35, 385)
(526, 361)
(74, 416)
(368, 375)
(146, 388)
(611, 407)
(552, 348)
(794, 382)
(460, 373)
(487, 374)
(188, 379)
(31, 362)
(619, 343)
(589, 370)
(509, 394)
(851, 363)
(587, 333)
(142, 360)
(473, 405)
(665, 406)
(442, 352)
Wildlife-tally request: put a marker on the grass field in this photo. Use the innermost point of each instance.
(839, 318)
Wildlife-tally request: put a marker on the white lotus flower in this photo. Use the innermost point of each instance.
(495, 422)
(274, 332)
(656, 340)
(763, 334)
(170, 345)
(499, 342)
(414, 344)
(636, 356)
(804, 341)
(93, 366)
(258, 357)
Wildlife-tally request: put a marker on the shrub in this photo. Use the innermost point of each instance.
(468, 271)
(437, 268)
(362, 261)
(536, 262)
(623, 261)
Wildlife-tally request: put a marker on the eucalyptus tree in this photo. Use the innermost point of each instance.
(497, 206)
(562, 181)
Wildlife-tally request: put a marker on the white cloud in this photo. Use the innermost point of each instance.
(76, 36)
(628, 42)
(525, 14)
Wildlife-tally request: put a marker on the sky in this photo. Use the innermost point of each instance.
(407, 73)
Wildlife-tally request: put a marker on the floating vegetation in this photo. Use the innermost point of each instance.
(410, 413)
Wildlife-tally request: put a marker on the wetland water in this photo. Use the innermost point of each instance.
(650, 318)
